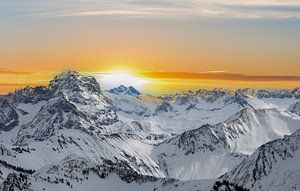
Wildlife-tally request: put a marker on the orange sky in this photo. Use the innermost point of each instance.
(256, 43)
(156, 82)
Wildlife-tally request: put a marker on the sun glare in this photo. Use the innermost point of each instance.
(116, 78)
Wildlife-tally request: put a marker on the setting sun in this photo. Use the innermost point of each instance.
(117, 78)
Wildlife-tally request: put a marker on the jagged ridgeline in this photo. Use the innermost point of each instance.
(72, 135)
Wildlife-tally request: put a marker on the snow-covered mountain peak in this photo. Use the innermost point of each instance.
(246, 114)
(75, 101)
(201, 153)
(240, 99)
(123, 90)
(73, 82)
(250, 128)
(204, 138)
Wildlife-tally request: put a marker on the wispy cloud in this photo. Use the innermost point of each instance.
(20, 84)
(214, 71)
(218, 75)
(13, 72)
(272, 9)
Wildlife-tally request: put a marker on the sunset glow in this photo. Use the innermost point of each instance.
(158, 82)
(117, 78)
(163, 45)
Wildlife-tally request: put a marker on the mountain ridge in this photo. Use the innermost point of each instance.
(176, 142)
(123, 90)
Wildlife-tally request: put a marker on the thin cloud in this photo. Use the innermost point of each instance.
(13, 72)
(272, 9)
(20, 84)
(218, 76)
(214, 71)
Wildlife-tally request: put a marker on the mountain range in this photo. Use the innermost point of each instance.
(72, 135)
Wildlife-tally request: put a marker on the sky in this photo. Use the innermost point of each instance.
(160, 46)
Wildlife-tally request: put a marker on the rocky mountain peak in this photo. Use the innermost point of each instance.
(74, 101)
(73, 82)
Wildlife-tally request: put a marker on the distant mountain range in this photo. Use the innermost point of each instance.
(72, 135)
(125, 91)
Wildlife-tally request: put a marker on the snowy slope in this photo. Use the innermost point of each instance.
(71, 135)
(274, 166)
(189, 110)
(78, 173)
(295, 108)
(210, 151)
(26, 113)
(202, 153)
(130, 105)
(116, 148)
(249, 128)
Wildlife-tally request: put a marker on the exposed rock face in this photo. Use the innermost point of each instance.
(4, 151)
(9, 117)
(28, 95)
(164, 107)
(16, 182)
(295, 108)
